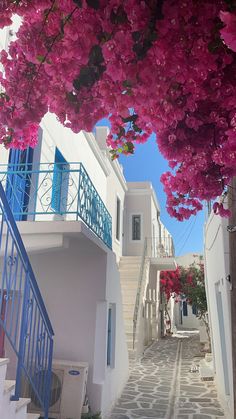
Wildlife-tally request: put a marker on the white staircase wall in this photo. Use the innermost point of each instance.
(11, 409)
(129, 277)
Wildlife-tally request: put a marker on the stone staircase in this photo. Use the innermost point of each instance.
(11, 409)
(129, 268)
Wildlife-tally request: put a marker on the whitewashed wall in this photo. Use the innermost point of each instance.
(78, 283)
(116, 188)
(117, 375)
(218, 292)
(140, 199)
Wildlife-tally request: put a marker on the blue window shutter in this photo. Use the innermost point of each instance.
(56, 188)
(109, 331)
(185, 308)
(59, 183)
(19, 182)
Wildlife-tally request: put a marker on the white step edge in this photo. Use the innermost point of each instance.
(21, 403)
(4, 361)
(33, 416)
(9, 385)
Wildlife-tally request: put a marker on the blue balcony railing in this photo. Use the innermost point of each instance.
(24, 320)
(56, 191)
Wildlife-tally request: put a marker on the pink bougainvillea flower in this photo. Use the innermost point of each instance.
(228, 33)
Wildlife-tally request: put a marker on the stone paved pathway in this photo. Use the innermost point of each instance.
(162, 386)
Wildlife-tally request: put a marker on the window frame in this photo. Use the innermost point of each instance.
(141, 227)
(118, 219)
(111, 332)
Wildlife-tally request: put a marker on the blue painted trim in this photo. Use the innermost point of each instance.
(34, 350)
(75, 194)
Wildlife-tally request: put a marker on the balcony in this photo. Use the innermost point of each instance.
(161, 252)
(56, 191)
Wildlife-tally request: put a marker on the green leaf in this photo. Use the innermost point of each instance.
(40, 58)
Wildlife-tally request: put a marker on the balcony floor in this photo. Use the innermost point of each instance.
(41, 235)
(164, 263)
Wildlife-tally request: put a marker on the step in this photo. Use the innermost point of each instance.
(4, 361)
(9, 386)
(128, 308)
(128, 292)
(128, 329)
(130, 258)
(33, 416)
(129, 300)
(22, 403)
(21, 408)
(129, 268)
(3, 370)
(126, 284)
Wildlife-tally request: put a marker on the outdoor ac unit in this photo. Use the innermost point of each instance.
(68, 390)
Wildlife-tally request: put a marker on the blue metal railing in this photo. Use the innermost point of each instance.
(62, 191)
(24, 319)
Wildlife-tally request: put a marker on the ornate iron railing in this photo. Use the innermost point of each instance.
(24, 319)
(56, 191)
(139, 291)
(160, 247)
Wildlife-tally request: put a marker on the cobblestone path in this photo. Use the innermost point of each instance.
(161, 385)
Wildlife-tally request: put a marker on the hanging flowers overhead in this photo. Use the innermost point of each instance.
(166, 67)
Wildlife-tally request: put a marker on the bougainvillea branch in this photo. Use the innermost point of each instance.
(167, 67)
(187, 283)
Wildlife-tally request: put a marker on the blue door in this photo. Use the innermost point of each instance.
(18, 181)
(60, 184)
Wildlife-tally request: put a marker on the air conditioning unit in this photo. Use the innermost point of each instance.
(68, 390)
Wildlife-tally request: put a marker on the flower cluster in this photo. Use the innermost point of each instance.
(185, 283)
(149, 66)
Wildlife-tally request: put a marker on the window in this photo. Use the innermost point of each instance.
(136, 227)
(109, 336)
(185, 308)
(118, 219)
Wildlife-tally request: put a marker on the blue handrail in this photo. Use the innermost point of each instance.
(67, 192)
(25, 320)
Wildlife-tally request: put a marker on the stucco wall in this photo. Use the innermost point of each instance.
(116, 188)
(218, 292)
(139, 200)
(74, 283)
(75, 148)
(117, 376)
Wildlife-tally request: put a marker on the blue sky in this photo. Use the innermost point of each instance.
(147, 164)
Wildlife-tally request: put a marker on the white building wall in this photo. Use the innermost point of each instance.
(116, 189)
(219, 304)
(78, 283)
(117, 375)
(140, 200)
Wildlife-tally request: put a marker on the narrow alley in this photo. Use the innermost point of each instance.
(166, 384)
